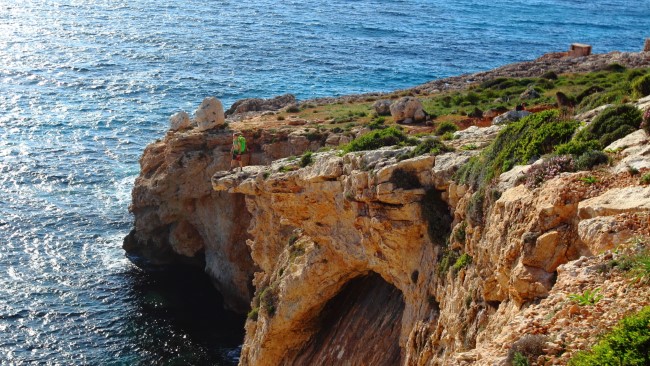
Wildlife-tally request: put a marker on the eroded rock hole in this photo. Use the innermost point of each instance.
(436, 213)
(360, 325)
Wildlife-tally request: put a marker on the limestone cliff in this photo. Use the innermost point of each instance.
(318, 230)
(368, 258)
(180, 219)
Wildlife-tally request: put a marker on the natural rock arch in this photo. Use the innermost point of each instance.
(360, 325)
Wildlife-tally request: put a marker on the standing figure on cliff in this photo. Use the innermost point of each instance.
(238, 148)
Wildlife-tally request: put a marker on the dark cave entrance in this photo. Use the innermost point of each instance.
(360, 325)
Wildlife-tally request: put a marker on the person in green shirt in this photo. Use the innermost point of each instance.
(238, 148)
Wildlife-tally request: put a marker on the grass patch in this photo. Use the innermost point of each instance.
(589, 180)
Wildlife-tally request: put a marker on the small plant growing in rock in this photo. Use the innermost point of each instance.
(447, 136)
(253, 314)
(645, 179)
(519, 360)
(469, 147)
(306, 159)
(462, 262)
(448, 257)
(529, 347)
(461, 232)
(548, 169)
(589, 180)
(269, 299)
(588, 297)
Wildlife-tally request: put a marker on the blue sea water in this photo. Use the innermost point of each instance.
(85, 85)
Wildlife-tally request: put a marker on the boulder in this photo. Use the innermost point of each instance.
(510, 116)
(634, 149)
(407, 108)
(382, 107)
(529, 93)
(209, 114)
(616, 201)
(260, 105)
(179, 121)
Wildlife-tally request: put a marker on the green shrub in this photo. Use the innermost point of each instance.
(518, 143)
(405, 179)
(550, 75)
(576, 148)
(641, 86)
(589, 91)
(378, 138)
(293, 108)
(269, 299)
(597, 99)
(462, 262)
(430, 146)
(445, 127)
(447, 136)
(612, 124)
(449, 257)
(627, 344)
(590, 159)
(377, 123)
(588, 297)
(314, 136)
(306, 159)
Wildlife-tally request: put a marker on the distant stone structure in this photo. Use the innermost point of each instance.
(579, 50)
(646, 48)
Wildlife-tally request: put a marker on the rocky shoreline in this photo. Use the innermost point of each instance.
(308, 243)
